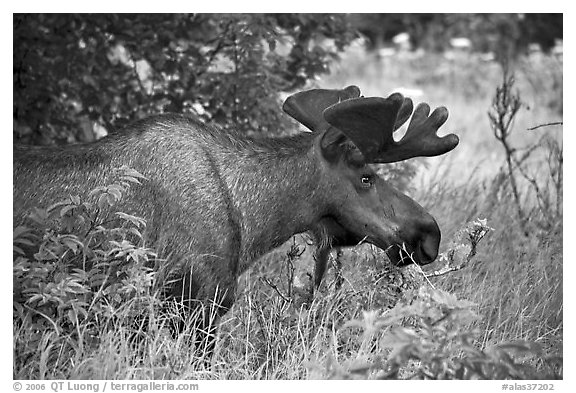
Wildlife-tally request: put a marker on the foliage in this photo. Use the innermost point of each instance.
(73, 70)
(74, 74)
(425, 337)
(78, 270)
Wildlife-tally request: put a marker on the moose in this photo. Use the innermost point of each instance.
(216, 201)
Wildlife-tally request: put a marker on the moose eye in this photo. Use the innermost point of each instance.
(366, 181)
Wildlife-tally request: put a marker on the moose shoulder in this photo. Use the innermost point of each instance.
(215, 201)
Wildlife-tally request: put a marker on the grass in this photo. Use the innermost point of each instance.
(516, 280)
(513, 285)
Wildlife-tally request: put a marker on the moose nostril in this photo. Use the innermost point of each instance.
(429, 243)
(428, 250)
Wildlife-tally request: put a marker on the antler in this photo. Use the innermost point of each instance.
(308, 106)
(370, 123)
(421, 139)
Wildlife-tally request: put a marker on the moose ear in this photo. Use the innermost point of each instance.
(335, 145)
(307, 106)
(332, 144)
(368, 122)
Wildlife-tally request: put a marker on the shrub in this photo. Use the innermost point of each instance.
(427, 336)
(79, 269)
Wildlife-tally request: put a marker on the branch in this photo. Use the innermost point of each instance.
(445, 270)
(275, 288)
(554, 123)
(464, 250)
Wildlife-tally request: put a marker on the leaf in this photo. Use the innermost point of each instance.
(135, 232)
(116, 190)
(39, 216)
(66, 209)
(20, 231)
(450, 300)
(522, 347)
(139, 222)
(97, 190)
(103, 201)
(53, 207)
(72, 316)
(72, 243)
(130, 174)
(110, 199)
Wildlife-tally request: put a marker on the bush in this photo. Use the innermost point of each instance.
(73, 72)
(427, 336)
(79, 270)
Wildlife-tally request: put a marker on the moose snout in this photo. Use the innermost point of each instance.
(428, 241)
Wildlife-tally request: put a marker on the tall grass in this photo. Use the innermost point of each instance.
(384, 322)
(516, 278)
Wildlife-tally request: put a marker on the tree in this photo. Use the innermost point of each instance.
(505, 34)
(74, 71)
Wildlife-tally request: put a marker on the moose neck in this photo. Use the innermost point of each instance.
(274, 188)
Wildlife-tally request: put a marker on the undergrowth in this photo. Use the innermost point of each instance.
(79, 271)
(85, 306)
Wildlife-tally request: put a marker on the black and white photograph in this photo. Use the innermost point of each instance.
(204, 197)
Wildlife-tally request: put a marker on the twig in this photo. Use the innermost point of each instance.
(338, 277)
(505, 106)
(475, 233)
(444, 270)
(275, 288)
(554, 123)
(447, 268)
(417, 265)
(426, 275)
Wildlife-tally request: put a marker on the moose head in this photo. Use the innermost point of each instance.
(355, 132)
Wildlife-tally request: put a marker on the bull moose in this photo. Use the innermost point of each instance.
(216, 201)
